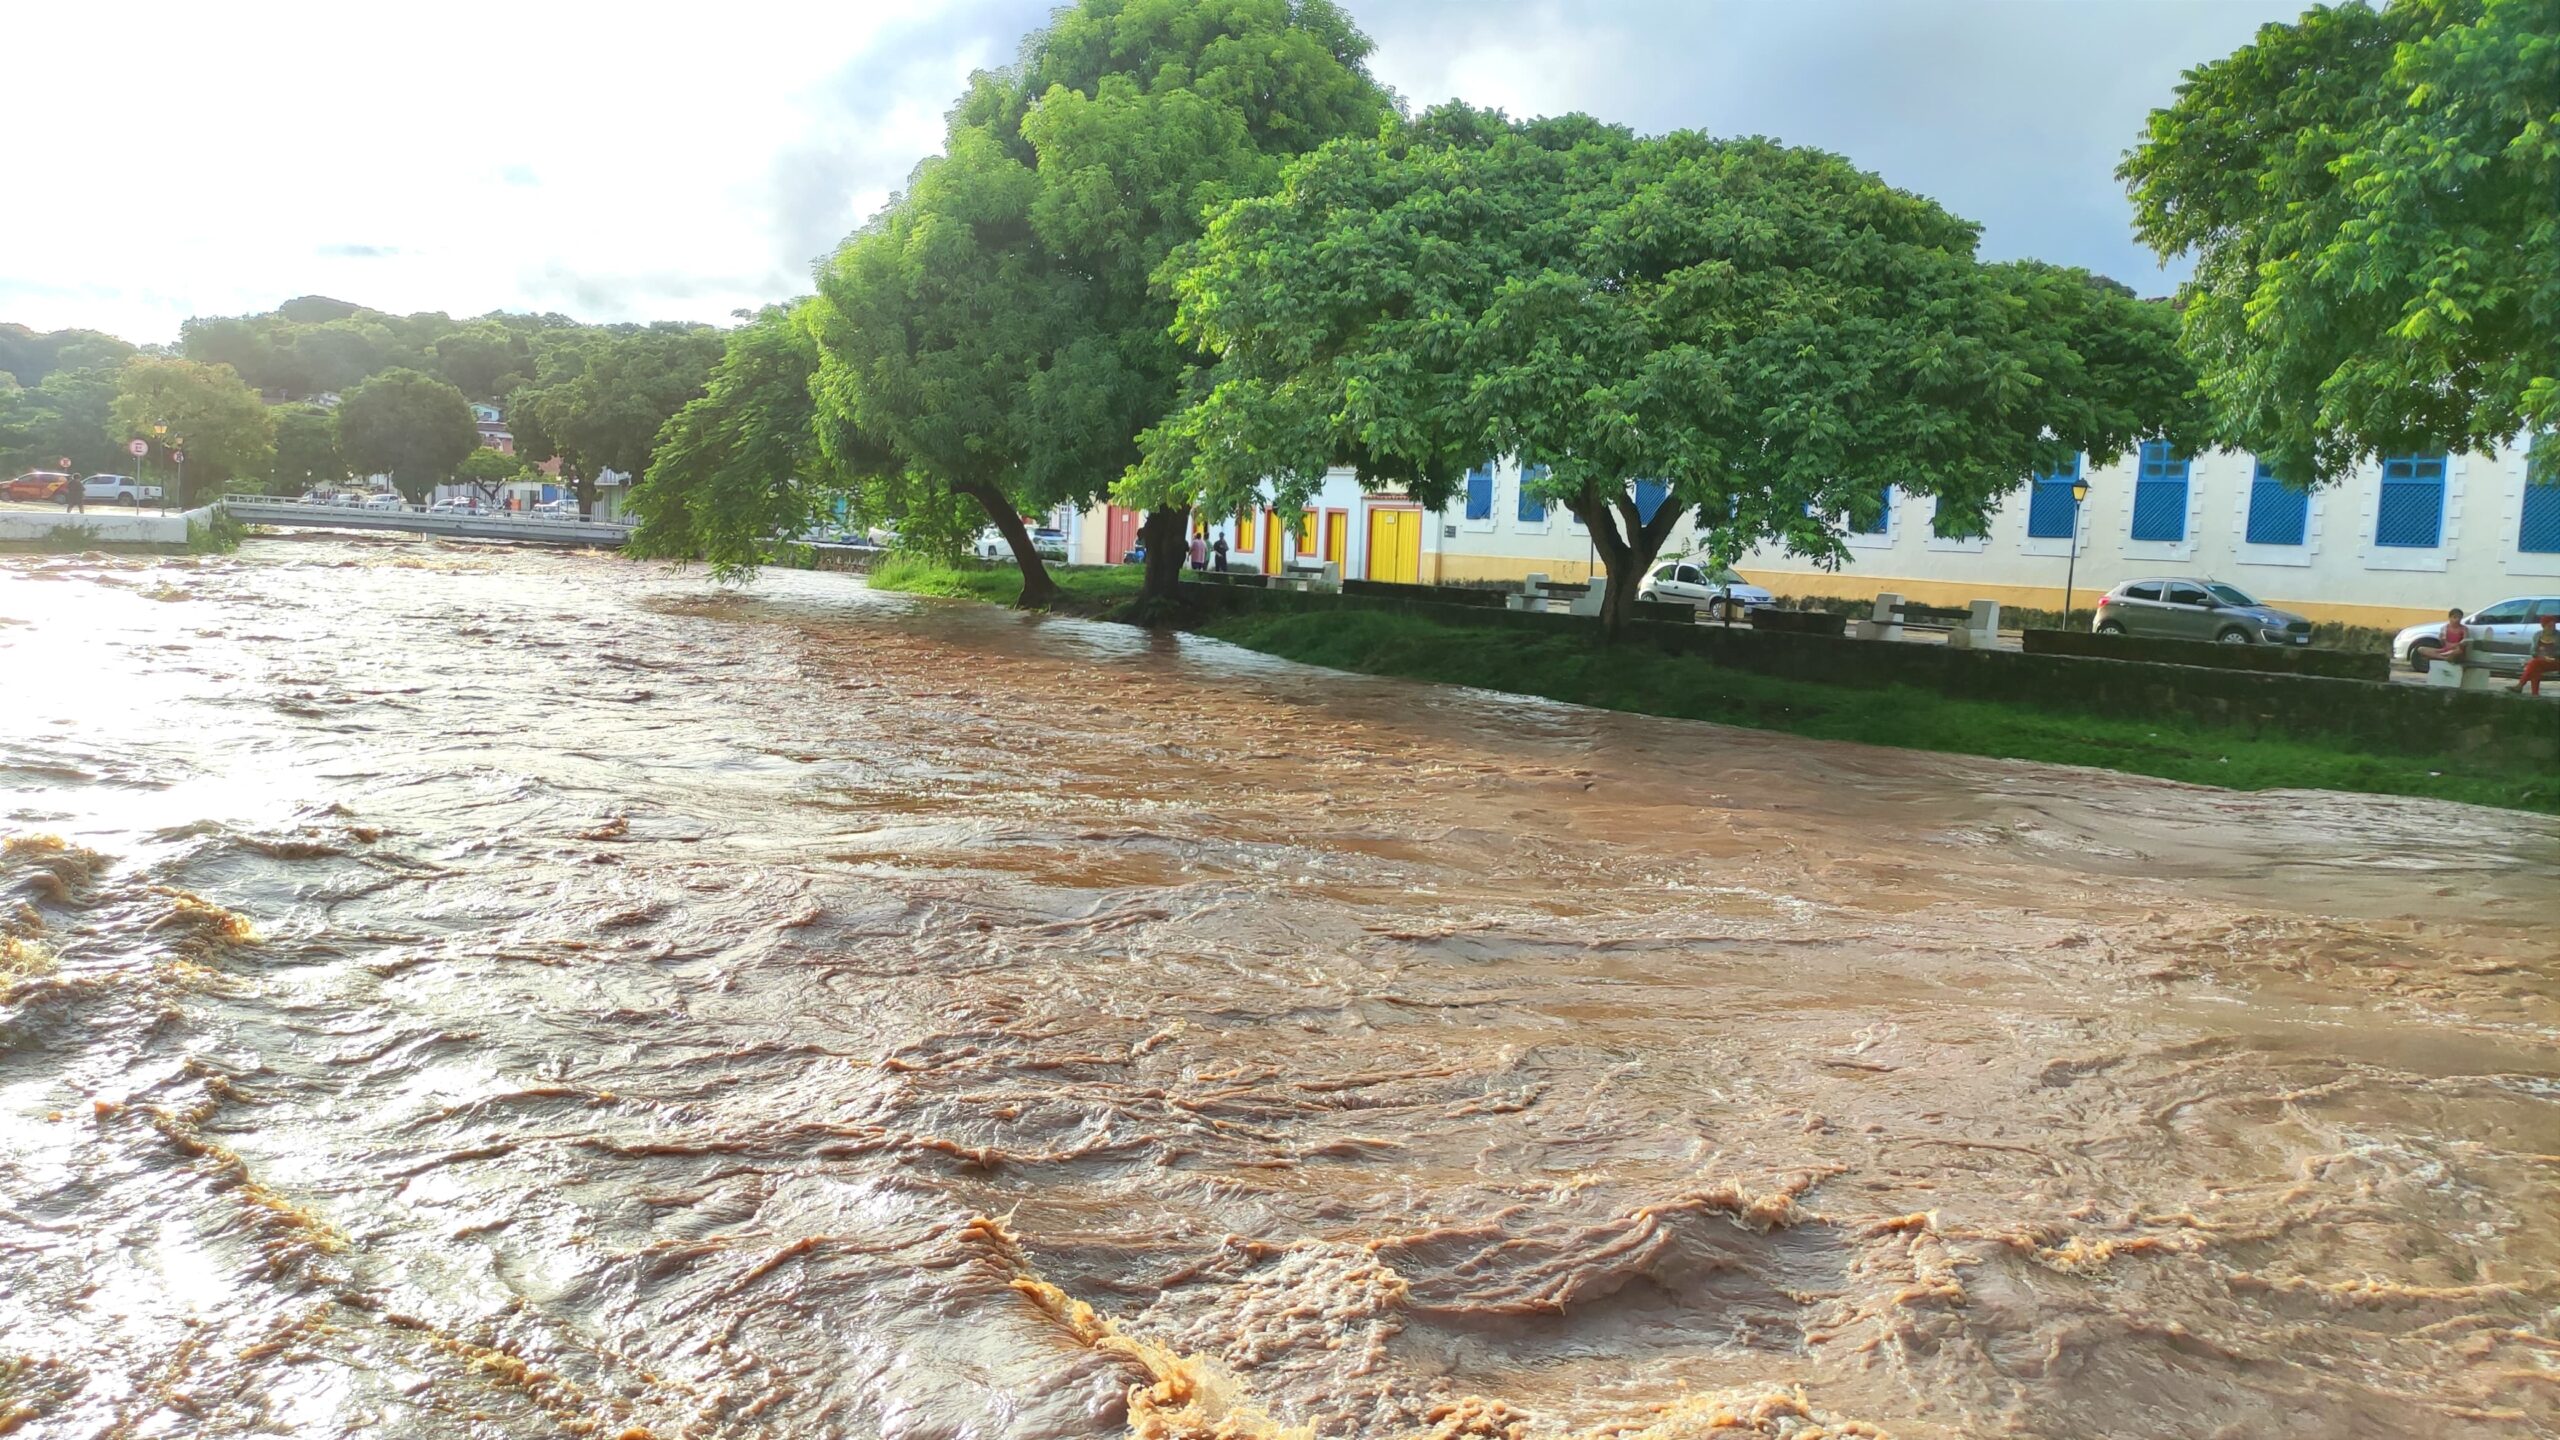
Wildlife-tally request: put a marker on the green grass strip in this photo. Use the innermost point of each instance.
(1087, 588)
(1646, 681)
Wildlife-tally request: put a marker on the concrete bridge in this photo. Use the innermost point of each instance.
(585, 534)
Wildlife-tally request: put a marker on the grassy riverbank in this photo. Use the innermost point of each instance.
(1648, 682)
(1088, 589)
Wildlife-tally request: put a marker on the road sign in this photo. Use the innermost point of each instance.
(177, 457)
(138, 449)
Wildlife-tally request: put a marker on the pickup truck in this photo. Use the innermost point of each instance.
(115, 489)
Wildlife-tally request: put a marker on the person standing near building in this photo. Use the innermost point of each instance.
(1199, 552)
(1218, 555)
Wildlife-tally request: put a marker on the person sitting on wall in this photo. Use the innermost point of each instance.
(2544, 658)
(2453, 646)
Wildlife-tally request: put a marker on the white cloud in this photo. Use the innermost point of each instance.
(681, 162)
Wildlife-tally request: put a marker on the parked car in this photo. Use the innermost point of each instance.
(385, 500)
(554, 510)
(117, 490)
(2501, 635)
(2188, 609)
(1048, 540)
(463, 505)
(1716, 590)
(36, 485)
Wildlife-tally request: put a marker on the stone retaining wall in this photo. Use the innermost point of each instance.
(2279, 659)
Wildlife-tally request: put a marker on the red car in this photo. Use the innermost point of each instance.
(36, 485)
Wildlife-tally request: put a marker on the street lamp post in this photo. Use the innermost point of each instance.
(2071, 571)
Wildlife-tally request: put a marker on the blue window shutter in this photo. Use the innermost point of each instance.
(1479, 493)
(2410, 514)
(2160, 494)
(2051, 512)
(1649, 497)
(2278, 513)
(1533, 509)
(2540, 533)
(1884, 515)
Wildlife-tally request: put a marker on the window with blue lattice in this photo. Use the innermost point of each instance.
(1479, 493)
(1882, 520)
(2051, 512)
(2279, 514)
(2540, 532)
(2160, 494)
(1650, 495)
(2410, 515)
(1533, 508)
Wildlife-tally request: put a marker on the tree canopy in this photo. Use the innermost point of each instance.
(306, 449)
(741, 461)
(410, 426)
(1769, 334)
(599, 397)
(996, 330)
(227, 433)
(2372, 198)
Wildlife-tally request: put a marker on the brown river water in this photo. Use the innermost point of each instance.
(452, 992)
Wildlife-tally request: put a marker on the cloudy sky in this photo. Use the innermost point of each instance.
(641, 162)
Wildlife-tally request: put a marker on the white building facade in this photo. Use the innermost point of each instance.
(2398, 541)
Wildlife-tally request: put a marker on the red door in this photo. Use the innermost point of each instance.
(1121, 528)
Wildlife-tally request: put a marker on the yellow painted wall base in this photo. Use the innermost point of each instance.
(1454, 569)
(1954, 594)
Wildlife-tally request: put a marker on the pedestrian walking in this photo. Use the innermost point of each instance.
(75, 495)
(1199, 552)
(1218, 555)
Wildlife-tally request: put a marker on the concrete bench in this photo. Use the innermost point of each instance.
(1973, 628)
(1580, 597)
(2459, 674)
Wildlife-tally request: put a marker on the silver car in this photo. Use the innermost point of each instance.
(2501, 635)
(1709, 588)
(2181, 609)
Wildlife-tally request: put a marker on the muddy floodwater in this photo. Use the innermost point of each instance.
(452, 992)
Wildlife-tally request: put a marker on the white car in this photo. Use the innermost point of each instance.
(385, 500)
(1721, 593)
(2501, 635)
(1049, 541)
(117, 489)
(458, 507)
(554, 510)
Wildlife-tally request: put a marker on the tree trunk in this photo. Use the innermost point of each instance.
(584, 487)
(1039, 592)
(1628, 546)
(1167, 536)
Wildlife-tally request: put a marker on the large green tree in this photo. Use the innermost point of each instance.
(600, 398)
(306, 450)
(741, 462)
(68, 415)
(2372, 200)
(1758, 336)
(485, 470)
(227, 433)
(410, 426)
(483, 360)
(997, 330)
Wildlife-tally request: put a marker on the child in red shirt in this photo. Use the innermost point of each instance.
(2455, 642)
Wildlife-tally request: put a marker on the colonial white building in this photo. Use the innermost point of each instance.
(2398, 541)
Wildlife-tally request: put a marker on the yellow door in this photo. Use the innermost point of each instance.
(1337, 535)
(1395, 545)
(1270, 542)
